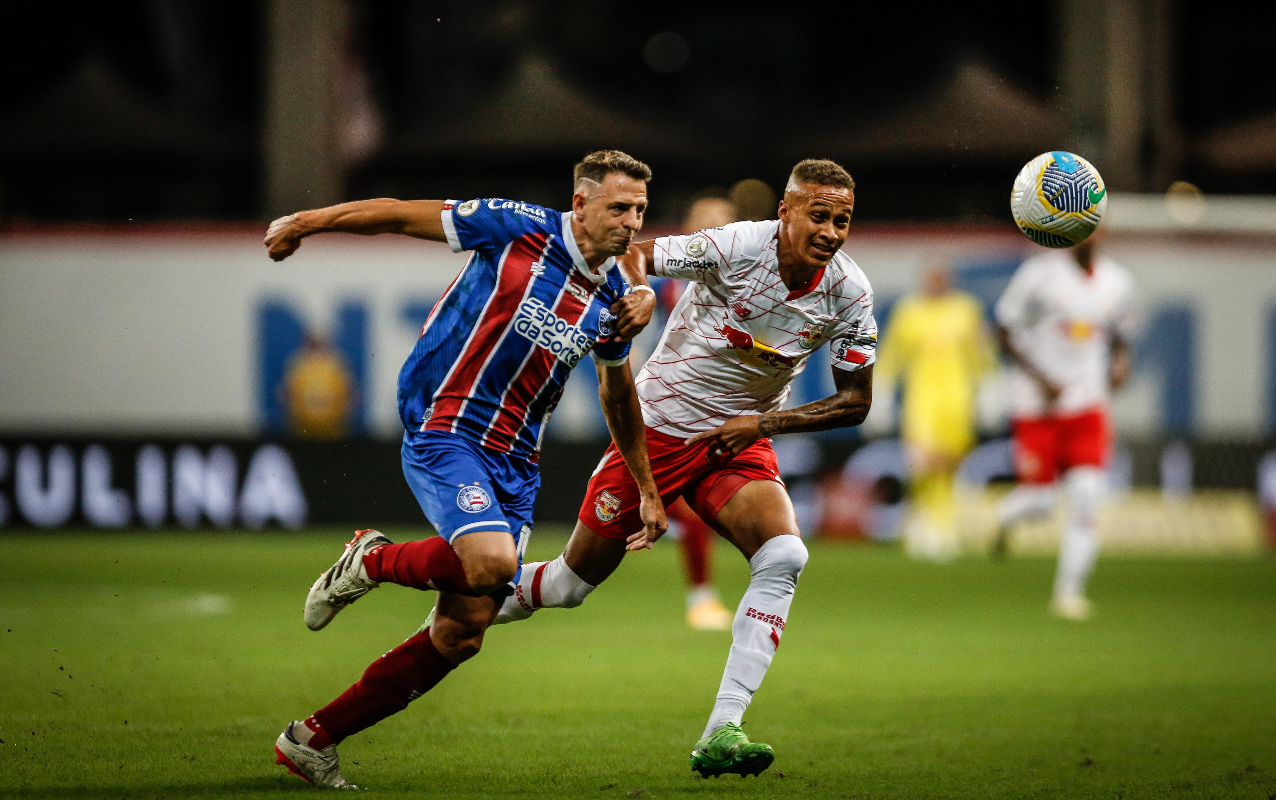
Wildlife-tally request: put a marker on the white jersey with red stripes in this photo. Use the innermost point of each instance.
(738, 337)
(1062, 320)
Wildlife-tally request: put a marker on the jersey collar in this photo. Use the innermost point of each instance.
(569, 241)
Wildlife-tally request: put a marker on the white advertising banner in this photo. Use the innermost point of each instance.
(194, 331)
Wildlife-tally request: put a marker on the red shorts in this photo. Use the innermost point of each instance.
(611, 502)
(1047, 446)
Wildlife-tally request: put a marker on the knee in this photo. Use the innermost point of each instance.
(1086, 486)
(487, 572)
(781, 555)
(455, 641)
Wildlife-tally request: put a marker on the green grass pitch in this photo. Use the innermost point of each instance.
(164, 665)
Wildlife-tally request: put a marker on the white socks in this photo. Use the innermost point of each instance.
(1079, 547)
(758, 625)
(543, 584)
(1026, 501)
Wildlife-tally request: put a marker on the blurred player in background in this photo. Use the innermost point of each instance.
(705, 611)
(764, 296)
(318, 391)
(1065, 323)
(937, 345)
(538, 293)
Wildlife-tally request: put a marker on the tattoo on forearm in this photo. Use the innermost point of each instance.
(842, 410)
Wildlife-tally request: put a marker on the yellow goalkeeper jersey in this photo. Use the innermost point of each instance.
(939, 348)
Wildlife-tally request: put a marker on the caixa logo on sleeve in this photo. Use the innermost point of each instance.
(535, 321)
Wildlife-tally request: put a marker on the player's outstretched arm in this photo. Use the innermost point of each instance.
(845, 408)
(634, 310)
(419, 218)
(619, 400)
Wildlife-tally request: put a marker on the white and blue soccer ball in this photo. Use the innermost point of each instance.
(1058, 199)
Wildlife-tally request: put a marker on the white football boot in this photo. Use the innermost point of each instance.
(343, 582)
(1073, 607)
(317, 767)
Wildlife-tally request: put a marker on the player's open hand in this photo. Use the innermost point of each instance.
(283, 237)
(652, 512)
(730, 438)
(633, 312)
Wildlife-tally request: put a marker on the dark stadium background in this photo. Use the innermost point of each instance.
(157, 110)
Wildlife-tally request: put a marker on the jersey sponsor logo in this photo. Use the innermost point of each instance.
(699, 264)
(606, 506)
(577, 291)
(535, 212)
(843, 349)
(537, 323)
(1078, 330)
(810, 335)
(753, 352)
(473, 499)
(467, 208)
(697, 247)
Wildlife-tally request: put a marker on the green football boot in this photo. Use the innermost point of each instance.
(728, 751)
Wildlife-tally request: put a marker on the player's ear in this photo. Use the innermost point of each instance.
(784, 210)
(578, 205)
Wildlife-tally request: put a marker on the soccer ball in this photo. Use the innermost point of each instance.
(1058, 199)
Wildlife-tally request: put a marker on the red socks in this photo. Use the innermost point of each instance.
(695, 543)
(387, 686)
(427, 564)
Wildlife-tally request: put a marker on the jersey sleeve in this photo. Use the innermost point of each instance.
(490, 223)
(1015, 306)
(854, 340)
(611, 354)
(693, 257)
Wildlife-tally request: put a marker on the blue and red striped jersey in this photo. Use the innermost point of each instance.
(497, 349)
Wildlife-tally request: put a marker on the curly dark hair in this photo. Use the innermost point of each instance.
(820, 172)
(599, 164)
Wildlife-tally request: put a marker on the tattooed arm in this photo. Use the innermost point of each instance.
(846, 408)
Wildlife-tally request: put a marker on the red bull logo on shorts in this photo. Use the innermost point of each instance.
(606, 506)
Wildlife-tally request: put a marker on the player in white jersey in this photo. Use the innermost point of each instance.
(1065, 323)
(763, 297)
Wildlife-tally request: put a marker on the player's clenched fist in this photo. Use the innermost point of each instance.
(283, 237)
(633, 312)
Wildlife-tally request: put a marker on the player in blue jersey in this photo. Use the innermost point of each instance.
(539, 292)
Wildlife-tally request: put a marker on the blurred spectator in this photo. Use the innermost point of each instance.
(753, 200)
(318, 391)
(937, 346)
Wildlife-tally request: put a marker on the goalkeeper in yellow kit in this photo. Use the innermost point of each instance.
(937, 345)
